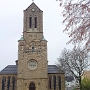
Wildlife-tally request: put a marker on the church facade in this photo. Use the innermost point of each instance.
(32, 71)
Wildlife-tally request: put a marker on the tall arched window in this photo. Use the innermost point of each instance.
(32, 86)
(8, 83)
(59, 82)
(32, 48)
(30, 22)
(54, 81)
(50, 82)
(35, 22)
(13, 83)
(3, 83)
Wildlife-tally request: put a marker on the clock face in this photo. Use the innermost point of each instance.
(32, 64)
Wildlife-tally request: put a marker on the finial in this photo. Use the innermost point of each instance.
(32, 1)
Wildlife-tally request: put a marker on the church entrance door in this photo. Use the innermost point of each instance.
(32, 86)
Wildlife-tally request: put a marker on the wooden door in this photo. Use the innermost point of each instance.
(32, 86)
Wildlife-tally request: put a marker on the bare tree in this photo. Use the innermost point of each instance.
(77, 21)
(73, 62)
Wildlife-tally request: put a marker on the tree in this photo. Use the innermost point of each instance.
(73, 62)
(76, 15)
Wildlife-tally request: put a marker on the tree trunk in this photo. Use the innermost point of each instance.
(80, 84)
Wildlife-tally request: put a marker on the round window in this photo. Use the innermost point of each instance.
(32, 64)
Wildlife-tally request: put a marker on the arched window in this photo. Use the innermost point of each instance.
(8, 83)
(50, 82)
(59, 82)
(35, 22)
(32, 48)
(32, 86)
(30, 22)
(13, 83)
(3, 83)
(54, 81)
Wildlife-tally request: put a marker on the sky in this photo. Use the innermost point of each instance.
(11, 28)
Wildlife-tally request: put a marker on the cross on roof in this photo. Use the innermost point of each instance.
(32, 0)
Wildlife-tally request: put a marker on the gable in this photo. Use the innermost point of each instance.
(35, 6)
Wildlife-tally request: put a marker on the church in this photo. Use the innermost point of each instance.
(32, 71)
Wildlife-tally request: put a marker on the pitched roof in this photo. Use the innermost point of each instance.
(53, 69)
(12, 69)
(33, 4)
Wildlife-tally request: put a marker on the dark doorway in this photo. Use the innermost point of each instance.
(32, 86)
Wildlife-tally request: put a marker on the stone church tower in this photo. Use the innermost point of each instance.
(32, 51)
(32, 71)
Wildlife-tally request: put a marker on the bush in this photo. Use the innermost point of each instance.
(86, 84)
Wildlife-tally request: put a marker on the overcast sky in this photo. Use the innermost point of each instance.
(11, 27)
